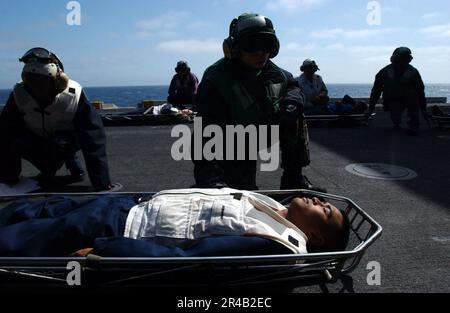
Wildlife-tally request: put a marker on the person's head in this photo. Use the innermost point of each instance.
(401, 56)
(43, 74)
(182, 68)
(326, 227)
(309, 67)
(252, 40)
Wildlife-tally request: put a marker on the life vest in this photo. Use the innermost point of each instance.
(398, 87)
(243, 108)
(178, 216)
(311, 89)
(45, 121)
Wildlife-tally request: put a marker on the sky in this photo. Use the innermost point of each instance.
(138, 42)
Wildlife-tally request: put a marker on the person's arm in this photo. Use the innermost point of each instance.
(323, 89)
(194, 89)
(377, 90)
(420, 87)
(212, 110)
(92, 138)
(293, 130)
(12, 126)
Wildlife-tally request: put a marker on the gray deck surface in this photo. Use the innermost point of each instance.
(414, 250)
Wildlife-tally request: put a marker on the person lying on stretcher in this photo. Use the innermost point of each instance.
(189, 222)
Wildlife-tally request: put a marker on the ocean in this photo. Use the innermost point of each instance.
(130, 96)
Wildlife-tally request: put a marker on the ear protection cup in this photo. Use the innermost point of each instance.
(277, 48)
(229, 44)
(61, 82)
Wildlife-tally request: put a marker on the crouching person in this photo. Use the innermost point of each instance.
(46, 120)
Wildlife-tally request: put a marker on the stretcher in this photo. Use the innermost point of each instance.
(439, 118)
(339, 120)
(141, 117)
(286, 271)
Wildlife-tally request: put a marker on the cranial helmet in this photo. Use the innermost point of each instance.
(40, 61)
(402, 54)
(251, 32)
(309, 63)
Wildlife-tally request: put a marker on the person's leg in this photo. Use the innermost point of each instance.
(294, 143)
(396, 109)
(40, 153)
(62, 226)
(241, 174)
(413, 115)
(10, 164)
(73, 165)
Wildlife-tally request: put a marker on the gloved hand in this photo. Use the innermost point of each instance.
(103, 188)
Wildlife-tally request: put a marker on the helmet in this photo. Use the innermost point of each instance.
(309, 63)
(49, 69)
(252, 32)
(402, 54)
(43, 62)
(181, 65)
(41, 55)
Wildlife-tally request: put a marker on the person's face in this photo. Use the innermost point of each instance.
(309, 71)
(41, 87)
(183, 71)
(314, 217)
(254, 60)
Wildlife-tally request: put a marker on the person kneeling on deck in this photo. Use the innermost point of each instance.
(246, 88)
(183, 87)
(186, 222)
(313, 88)
(46, 120)
(402, 88)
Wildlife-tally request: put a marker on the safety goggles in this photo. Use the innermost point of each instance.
(41, 55)
(258, 43)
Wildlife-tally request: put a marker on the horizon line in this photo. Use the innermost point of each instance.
(140, 86)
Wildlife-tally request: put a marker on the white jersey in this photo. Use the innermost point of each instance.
(177, 216)
(311, 89)
(46, 121)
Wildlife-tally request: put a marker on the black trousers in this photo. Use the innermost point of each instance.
(47, 155)
(413, 110)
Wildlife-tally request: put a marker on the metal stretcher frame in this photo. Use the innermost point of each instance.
(440, 121)
(324, 118)
(144, 118)
(289, 271)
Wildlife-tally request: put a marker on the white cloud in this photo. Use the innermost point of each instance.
(442, 30)
(190, 46)
(429, 16)
(167, 21)
(290, 6)
(294, 46)
(351, 33)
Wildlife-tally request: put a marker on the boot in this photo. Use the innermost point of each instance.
(298, 182)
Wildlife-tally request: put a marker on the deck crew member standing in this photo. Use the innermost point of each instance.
(46, 120)
(402, 88)
(246, 88)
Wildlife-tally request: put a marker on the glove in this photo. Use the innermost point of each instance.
(103, 188)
